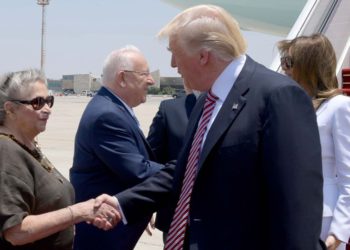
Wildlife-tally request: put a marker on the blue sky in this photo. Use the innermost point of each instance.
(81, 33)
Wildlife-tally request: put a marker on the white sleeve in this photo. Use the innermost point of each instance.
(340, 225)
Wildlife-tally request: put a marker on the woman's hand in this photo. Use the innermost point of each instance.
(332, 242)
(87, 211)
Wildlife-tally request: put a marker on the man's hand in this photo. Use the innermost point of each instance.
(105, 198)
(151, 226)
(106, 218)
(105, 215)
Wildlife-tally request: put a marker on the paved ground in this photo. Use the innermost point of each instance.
(57, 142)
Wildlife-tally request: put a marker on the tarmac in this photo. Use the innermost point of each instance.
(57, 142)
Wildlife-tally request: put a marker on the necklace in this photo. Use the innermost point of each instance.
(36, 153)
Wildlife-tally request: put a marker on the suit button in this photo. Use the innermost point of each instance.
(196, 220)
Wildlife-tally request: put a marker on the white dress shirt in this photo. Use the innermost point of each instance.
(222, 87)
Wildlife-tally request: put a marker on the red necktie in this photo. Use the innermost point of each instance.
(176, 235)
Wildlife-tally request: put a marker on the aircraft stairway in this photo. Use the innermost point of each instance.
(331, 18)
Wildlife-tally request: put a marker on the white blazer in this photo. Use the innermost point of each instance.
(333, 118)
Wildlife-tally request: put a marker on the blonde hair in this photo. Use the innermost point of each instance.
(207, 27)
(314, 65)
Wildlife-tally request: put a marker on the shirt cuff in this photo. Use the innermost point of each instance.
(124, 220)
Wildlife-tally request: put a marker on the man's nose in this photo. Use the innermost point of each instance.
(150, 80)
(173, 62)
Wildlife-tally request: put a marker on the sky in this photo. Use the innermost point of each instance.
(81, 33)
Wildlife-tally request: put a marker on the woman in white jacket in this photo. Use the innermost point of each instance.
(311, 61)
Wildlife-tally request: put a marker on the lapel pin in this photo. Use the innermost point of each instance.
(235, 106)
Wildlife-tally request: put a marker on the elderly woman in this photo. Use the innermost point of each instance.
(311, 61)
(36, 210)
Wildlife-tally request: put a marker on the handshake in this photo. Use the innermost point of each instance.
(108, 212)
(103, 212)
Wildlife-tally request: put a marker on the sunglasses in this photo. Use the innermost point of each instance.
(287, 62)
(38, 102)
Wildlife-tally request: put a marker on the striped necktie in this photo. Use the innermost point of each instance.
(176, 236)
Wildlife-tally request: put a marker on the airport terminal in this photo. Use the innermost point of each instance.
(288, 19)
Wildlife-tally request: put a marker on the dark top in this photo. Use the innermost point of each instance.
(168, 127)
(166, 136)
(27, 188)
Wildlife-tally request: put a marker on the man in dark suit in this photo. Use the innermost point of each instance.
(111, 153)
(249, 175)
(168, 127)
(166, 136)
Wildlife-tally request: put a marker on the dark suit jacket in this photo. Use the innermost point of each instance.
(259, 182)
(166, 135)
(168, 127)
(111, 155)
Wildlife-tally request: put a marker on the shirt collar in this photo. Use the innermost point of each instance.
(228, 77)
(124, 104)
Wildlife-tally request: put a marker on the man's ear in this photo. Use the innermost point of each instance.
(120, 79)
(8, 107)
(204, 56)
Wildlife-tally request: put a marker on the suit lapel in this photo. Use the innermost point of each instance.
(230, 110)
(188, 138)
(136, 127)
(148, 147)
(190, 101)
(107, 94)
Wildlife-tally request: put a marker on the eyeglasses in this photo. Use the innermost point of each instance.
(287, 62)
(141, 73)
(38, 102)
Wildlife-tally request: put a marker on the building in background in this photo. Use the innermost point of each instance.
(156, 76)
(81, 84)
(172, 82)
(54, 85)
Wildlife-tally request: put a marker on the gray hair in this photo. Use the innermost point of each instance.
(207, 27)
(116, 61)
(13, 84)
